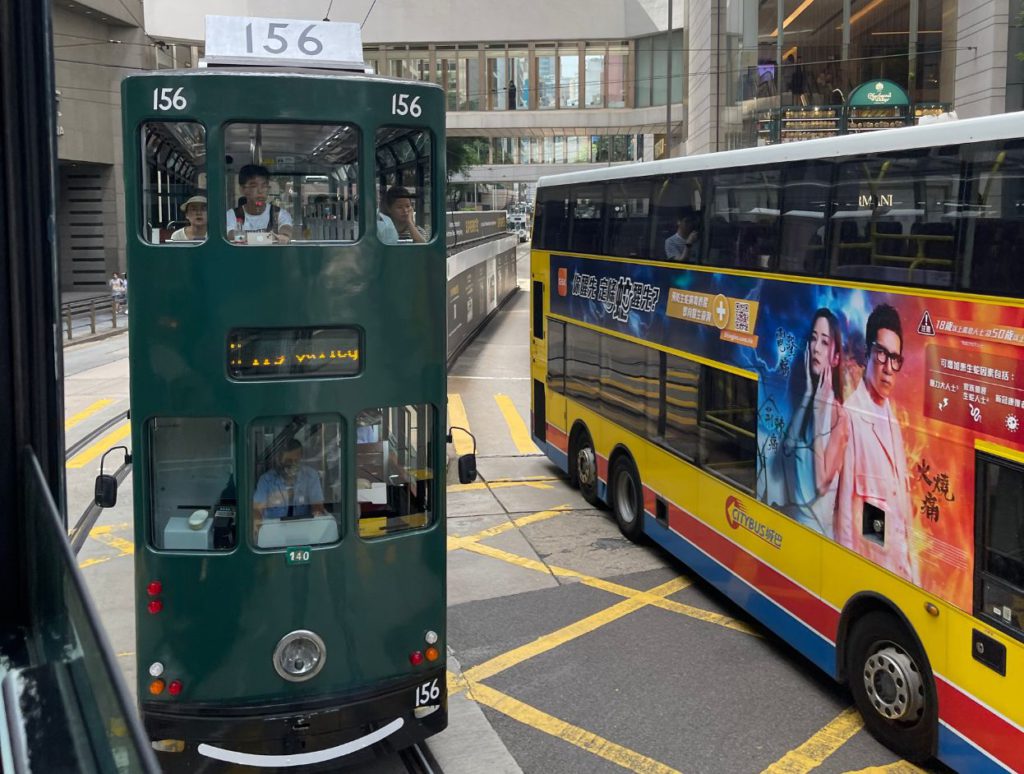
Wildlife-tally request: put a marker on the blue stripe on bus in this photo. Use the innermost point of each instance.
(556, 455)
(790, 628)
(957, 753)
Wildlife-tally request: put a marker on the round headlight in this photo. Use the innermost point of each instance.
(299, 655)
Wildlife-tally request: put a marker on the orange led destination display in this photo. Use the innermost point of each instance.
(293, 353)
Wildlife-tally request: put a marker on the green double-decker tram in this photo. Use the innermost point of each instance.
(286, 270)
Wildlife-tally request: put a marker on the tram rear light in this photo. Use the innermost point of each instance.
(155, 606)
(432, 653)
(154, 588)
(156, 687)
(175, 687)
(415, 658)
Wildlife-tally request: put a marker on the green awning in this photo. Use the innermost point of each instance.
(878, 93)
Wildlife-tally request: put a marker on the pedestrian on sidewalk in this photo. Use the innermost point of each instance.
(118, 292)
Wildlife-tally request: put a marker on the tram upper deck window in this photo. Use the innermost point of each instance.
(192, 468)
(297, 495)
(291, 182)
(173, 182)
(404, 170)
(393, 469)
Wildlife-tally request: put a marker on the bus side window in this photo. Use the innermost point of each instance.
(999, 563)
(586, 234)
(173, 180)
(745, 219)
(677, 197)
(551, 223)
(404, 177)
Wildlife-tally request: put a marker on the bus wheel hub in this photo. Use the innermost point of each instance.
(586, 466)
(894, 685)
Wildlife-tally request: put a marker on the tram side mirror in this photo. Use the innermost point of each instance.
(467, 468)
(106, 491)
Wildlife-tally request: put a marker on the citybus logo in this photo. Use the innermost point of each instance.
(563, 282)
(740, 519)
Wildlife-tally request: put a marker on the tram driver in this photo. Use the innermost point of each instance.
(290, 489)
(255, 220)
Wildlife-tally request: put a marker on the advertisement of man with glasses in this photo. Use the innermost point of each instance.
(873, 509)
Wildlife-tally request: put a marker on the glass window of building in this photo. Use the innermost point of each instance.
(616, 70)
(393, 469)
(594, 72)
(413, 65)
(519, 77)
(174, 182)
(545, 58)
(568, 78)
(497, 78)
(290, 182)
(470, 96)
(297, 496)
(644, 64)
(446, 74)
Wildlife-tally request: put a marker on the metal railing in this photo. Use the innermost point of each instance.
(93, 308)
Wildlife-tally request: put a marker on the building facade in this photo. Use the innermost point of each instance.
(541, 87)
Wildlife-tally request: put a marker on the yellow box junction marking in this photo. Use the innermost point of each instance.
(97, 449)
(86, 413)
(585, 740)
(104, 534)
(516, 426)
(538, 482)
(815, 750)
(457, 418)
(899, 767)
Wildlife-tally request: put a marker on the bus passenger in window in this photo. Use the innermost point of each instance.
(254, 214)
(290, 489)
(195, 212)
(874, 486)
(399, 218)
(682, 245)
(815, 443)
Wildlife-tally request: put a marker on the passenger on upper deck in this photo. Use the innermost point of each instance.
(253, 213)
(682, 245)
(290, 489)
(195, 211)
(399, 222)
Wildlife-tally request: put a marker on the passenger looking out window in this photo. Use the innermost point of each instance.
(195, 212)
(683, 244)
(254, 220)
(398, 223)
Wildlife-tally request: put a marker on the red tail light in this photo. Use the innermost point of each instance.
(155, 606)
(416, 658)
(154, 588)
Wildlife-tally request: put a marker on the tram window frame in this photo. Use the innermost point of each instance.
(420, 186)
(992, 587)
(161, 150)
(266, 456)
(334, 213)
(218, 529)
(384, 435)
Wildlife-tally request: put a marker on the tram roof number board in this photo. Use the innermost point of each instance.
(247, 40)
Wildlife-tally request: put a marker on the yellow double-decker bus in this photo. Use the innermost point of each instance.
(799, 369)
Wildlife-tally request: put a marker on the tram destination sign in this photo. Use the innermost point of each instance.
(251, 40)
(256, 354)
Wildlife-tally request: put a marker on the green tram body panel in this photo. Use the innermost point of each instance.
(371, 600)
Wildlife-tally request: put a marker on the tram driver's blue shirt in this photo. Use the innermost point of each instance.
(275, 495)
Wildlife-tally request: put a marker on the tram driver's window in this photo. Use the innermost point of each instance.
(297, 494)
(173, 183)
(290, 183)
(194, 504)
(394, 474)
(403, 174)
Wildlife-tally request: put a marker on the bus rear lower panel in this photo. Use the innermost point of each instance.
(296, 729)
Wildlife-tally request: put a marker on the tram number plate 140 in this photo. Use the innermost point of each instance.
(428, 693)
(298, 555)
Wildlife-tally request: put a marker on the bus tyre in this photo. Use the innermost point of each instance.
(627, 498)
(583, 467)
(892, 686)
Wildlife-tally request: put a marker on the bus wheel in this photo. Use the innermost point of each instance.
(892, 686)
(627, 497)
(583, 459)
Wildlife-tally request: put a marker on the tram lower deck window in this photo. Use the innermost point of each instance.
(297, 496)
(192, 469)
(394, 471)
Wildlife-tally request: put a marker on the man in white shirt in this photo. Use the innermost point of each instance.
(681, 246)
(255, 213)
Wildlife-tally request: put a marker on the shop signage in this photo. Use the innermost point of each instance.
(878, 93)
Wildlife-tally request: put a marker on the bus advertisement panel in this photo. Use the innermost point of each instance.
(870, 400)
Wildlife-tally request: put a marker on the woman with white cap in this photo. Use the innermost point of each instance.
(195, 211)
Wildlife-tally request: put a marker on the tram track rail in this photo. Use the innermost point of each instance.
(83, 526)
(418, 760)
